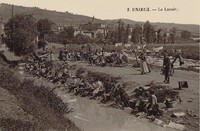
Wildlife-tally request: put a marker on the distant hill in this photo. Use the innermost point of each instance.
(61, 18)
(66, 18)
(190, 27)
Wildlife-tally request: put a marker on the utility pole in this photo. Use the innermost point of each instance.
(12, 10)
(12, 27)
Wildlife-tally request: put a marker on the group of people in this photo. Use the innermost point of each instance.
(116, 59)
(103, 90)
(94, 58)
(143, 100)
(167, 68)
(42, 67)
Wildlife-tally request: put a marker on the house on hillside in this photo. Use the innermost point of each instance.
(91, 29)
(57, 28)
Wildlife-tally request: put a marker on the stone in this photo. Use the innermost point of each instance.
(128, 110)
(180, 121)
(139, 114)
(158, 122)
(174, 104)
(178, 114)
(176, 126)
(72, 100)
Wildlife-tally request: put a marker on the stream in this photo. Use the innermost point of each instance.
(91, 116)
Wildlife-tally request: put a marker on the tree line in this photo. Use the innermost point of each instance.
(22, 33)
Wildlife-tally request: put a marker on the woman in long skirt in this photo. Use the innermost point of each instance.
(143, 64)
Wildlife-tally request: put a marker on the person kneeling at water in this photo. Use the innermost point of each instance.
(153, 108)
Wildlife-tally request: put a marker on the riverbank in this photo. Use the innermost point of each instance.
(25, 106)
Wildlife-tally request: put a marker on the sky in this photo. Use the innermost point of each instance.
(187, 10)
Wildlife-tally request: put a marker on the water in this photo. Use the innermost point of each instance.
(91, 116)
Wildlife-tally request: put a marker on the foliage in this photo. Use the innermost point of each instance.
(21, 33)
(82, 39)
(122, 33)
(66, 35)
(111, 37)
(149, 33)
(99, 38)
(136, 36)
(52, 37)
(185, 34)
(172, 35)
(44, 27)
(159, 36)
(126, 36)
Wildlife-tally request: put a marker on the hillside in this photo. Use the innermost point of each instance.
(61, 18)
(66, 18)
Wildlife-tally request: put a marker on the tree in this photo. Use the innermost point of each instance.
(67, 35)
(81, 39)
(172, 35)
(99, 38)
(120, 31)
(44, 27)
(137, 34)
(185, 34)
(149, 33)
(21, 32)
(111, 37)
(159, 36)
(126, 36)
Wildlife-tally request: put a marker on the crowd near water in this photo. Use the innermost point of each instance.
(57, 71)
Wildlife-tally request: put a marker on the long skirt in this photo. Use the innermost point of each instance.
(143, 66)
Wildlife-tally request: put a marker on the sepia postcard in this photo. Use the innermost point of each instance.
(99, 65)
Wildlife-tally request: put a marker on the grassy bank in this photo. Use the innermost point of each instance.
(38, 101)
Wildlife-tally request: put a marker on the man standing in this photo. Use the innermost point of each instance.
(167, 68)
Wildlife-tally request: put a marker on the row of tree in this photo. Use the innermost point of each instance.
(23, 31)
(140, 34)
